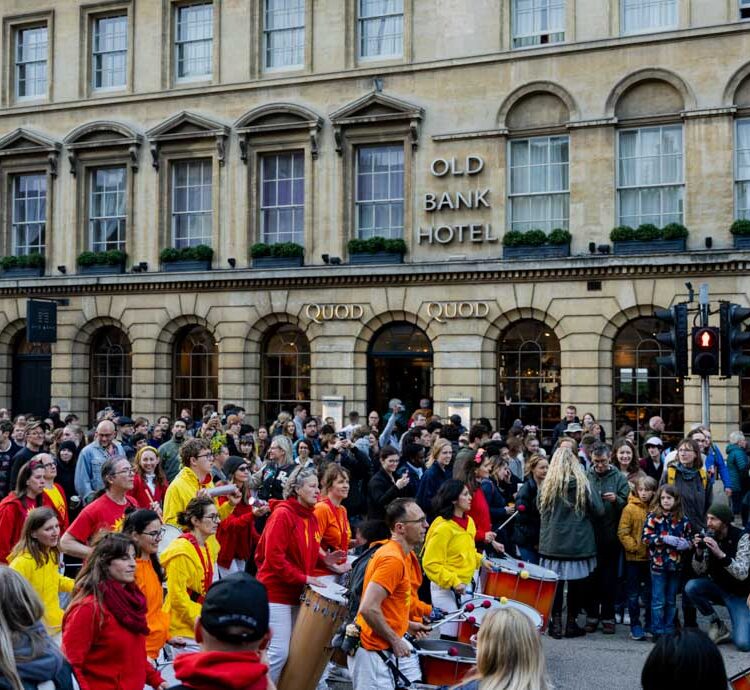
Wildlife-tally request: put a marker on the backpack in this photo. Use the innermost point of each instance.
(357, 580)
(672, 474)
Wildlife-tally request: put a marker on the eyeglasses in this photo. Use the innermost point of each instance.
(420, 520)
(205, 455)
(215, 517)
(685, 450)
(156, 534)
(128, 471)
(242, 468)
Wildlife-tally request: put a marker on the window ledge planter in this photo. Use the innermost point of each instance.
(101, 269)
(634, 247)
(545, 251)
(741, 241)
(23, 272)
(196, 258)
(377, 258)
(741, 233)
(277, 261)
(101, 263)
(186, 265)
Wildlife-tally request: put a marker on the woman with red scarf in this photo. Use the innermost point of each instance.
(104, 628)
(471, 473)
(287, 554)
(333, 522)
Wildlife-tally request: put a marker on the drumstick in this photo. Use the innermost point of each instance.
(520, 509)
(467, 608)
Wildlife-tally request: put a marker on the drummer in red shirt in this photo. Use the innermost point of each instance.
(286, 556)
(107, 512)
(333, 523)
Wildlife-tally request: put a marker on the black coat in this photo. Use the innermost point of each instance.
(381, 491)
(528, 520)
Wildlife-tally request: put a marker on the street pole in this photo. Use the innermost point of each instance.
(705, 385)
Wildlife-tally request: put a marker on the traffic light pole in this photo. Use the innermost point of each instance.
(705, 384)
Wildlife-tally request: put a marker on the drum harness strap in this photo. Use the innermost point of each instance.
(399, 678)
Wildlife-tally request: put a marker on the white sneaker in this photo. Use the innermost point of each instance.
(626, 618)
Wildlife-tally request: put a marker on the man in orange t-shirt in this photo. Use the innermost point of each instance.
(386, 600)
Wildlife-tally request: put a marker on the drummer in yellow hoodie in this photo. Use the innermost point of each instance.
(189, 562)
(630, 533)
(450, 558)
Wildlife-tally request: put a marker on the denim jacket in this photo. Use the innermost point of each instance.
(661, 556)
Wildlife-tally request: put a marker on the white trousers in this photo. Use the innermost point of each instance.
(236, 566)
(281, 619)
(444, 599)
(369, 671)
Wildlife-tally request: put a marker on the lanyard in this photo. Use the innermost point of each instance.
(208, 568)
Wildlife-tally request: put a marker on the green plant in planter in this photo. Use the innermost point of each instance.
(559, 236)
(260, 249)
(201, 252)
(281, 249)
(513, 238)
(34, 260)
(534, 238)
(622, 233)
(674, 231)
(740, 227)
(376, 244)
(113, 257)
(647, 232)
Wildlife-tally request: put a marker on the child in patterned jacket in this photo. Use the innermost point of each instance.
(666, 533)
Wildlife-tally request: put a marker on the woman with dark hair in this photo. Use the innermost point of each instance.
(149, 483)
(66, 457)
(16, 506)
(189, 562)
(144, 526)
(626, 460)
(36, 557)
(686, 659)
(385, 486)
(450, 558)
(28, 657)
(104, 628)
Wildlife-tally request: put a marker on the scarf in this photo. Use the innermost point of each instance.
(127, 604)
(688, 473)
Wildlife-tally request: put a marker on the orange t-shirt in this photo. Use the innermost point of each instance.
(418, 609)
(389, 567)
(334, 529)
(157, 618)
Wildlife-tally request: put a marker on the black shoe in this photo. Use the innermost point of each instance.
(572, 629)
(555, 628)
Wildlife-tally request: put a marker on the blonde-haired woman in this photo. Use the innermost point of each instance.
(28, 656)
(438, 471)
(566, 538)
(509, 654)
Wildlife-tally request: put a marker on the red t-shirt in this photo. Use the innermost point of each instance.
(101, 514)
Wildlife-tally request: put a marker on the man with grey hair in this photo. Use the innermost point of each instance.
(88, 479)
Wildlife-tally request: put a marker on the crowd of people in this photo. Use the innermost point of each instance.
(118, 538)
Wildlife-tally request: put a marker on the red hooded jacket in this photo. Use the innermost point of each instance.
(13, 512)
(236, 534)
(480, 513)
(288, 550)
(221, 671)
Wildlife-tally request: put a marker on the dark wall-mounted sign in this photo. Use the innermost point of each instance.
(41, 321)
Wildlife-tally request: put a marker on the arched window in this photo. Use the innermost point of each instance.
(195, 371)
(31, 376)
(110, 372)
(399, 366)
(285, 371)
(528, 377)
(642, 389)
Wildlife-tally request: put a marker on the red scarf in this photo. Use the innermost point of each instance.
(207, 565)
(127, 604)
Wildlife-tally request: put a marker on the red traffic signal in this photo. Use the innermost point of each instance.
(705, 351)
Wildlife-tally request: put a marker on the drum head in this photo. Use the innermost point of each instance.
(331, 591)
(170, 534)
(532, 613)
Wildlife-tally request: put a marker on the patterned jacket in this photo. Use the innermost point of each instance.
(662, 557)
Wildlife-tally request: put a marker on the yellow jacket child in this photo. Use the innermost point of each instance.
(631, 528)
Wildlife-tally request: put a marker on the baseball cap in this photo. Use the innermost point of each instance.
(236, 601)
(654, 441)
(573, 428)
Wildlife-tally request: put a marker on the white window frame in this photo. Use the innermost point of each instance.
(17, 226)
(96, 54)
(179, 43)
(206, 169)
(266, 208)
(739, 182)
(293, 29)
(362, 20)
(121, 196)
(549, 223)
(659, 185)
(541, 37)
(392, 231)
(19, 64)
(648, 29)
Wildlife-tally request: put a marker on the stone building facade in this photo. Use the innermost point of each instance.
(141, 126)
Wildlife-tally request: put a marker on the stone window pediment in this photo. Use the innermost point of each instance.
(278, 118)
(185, 127)
(375, 109)
(103, 135)
(27, 143)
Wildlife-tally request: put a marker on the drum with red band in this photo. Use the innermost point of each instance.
(444, 662)
(741, 681)
(473, 620)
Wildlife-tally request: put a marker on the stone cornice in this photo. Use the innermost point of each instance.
(718, 263)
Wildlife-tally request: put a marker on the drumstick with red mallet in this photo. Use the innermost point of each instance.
(466, 608)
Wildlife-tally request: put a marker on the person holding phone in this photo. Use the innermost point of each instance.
(387, 484)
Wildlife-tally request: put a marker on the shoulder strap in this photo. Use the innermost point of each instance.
(671, 473)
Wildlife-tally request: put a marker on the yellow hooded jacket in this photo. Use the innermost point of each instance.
(185, 575)
(450, 556)
(630, 530)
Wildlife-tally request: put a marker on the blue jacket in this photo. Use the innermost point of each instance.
(88, 477)
(714, 459)
(737, 464)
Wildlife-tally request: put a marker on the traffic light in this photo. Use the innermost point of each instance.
(733, 338)
(705, 351)
(674, 339)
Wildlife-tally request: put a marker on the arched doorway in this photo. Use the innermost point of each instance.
(399, 365)
(642, 389)
(528, 377)
(195, 371)
(110, 372)
(32, 376)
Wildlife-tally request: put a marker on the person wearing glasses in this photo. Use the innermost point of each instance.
(54, 491)
(145, 528)
(194, 479)
(88, 477)
(189, 562)
(106, 512)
